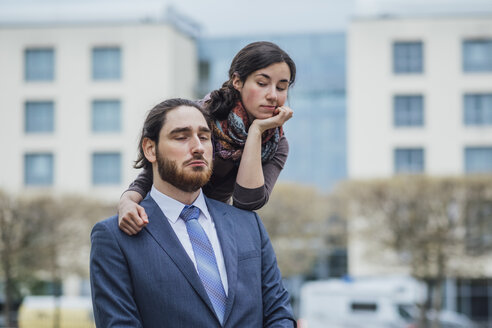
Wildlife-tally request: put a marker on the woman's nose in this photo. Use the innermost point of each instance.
(272, 94)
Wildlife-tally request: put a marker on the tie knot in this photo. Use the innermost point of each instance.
(190, 212)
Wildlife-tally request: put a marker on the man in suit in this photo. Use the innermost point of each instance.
(198, 262)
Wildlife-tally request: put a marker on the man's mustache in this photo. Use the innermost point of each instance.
(196, 157)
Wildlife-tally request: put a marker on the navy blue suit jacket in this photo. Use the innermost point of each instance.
(148, 280)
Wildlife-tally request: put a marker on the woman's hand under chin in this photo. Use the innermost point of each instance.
(280, 116)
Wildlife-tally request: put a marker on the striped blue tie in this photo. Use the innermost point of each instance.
(205, 260)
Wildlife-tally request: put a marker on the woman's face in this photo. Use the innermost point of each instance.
(264, 90)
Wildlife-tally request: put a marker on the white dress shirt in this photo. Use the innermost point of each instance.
(172, 208)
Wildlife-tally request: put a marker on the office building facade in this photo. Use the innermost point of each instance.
(420, 102)
(75, 96)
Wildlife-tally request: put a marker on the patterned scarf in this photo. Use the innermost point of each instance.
(230, 136)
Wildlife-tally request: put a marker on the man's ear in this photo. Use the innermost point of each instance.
(236, 82)
(149, 149)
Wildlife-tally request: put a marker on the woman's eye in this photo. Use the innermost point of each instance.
(204, 138)
(261, 84)
(282, 87)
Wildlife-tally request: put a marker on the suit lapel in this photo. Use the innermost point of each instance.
(162, 232)
(224, 225)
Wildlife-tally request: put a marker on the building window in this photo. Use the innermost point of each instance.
(39, 116)
(478, 109)
(409, 160)
(204, 70)
(106, 116)
(203, 77)
(38, 169)
(408, 110)
(106, 168)
(407, 57)
(39, 64)
(478, 159)
(474, 299)
(477, 55)
(106, 63)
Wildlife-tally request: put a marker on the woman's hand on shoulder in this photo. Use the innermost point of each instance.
(131, 217)
(280, 116)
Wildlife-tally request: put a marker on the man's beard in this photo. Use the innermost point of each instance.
(185, 181)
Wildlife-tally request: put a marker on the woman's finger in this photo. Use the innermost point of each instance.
(135, 222)
(142, 215)
(129, 222)
(127, 231)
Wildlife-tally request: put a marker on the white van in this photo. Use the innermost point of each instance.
(40, 312)
(388, 302)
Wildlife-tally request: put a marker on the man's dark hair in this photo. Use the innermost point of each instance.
(155, 121)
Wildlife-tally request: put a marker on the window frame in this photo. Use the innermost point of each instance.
(479, 115)
(95, 176)
(100, 70)
(98, 126)
(399, 169)
(467, 162)
(410, 121)
(32, 73)
(49, 180)
(408, 67)
(472, 67)
(29, 127)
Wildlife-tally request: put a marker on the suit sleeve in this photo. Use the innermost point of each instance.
(111, 286)
(277, 311)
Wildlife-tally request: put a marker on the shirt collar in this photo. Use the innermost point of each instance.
(172, 208)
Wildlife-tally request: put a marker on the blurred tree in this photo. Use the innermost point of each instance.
(433, 224)
(44, 237)
(297, 218)
(9, 239)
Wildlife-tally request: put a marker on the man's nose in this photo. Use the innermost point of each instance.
(197, 145)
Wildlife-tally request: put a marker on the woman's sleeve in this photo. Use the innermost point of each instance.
(142, 183)
(253, 199)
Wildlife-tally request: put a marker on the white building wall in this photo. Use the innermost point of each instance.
(158, 62)
(372, 84)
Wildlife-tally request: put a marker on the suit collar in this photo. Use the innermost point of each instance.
(172, 207)
(162, 232)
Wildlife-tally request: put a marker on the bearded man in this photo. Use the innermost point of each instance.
(198, 262)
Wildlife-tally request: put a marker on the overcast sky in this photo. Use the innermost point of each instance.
(236, 17)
